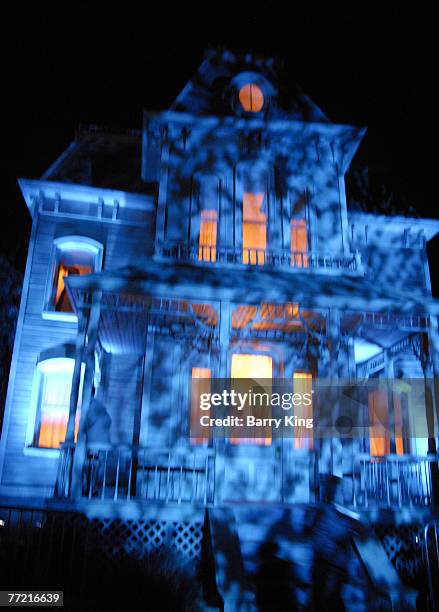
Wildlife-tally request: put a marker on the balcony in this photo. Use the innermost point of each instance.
(278, 258)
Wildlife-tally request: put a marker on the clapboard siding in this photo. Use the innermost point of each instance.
(123, 245)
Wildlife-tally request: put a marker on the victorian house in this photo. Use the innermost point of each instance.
(217, 243)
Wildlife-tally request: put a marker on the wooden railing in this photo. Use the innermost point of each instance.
(124, 473)
(272, 257)
(393, 481)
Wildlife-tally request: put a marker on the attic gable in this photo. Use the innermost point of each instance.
(218, 88)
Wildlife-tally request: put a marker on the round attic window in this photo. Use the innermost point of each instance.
(251, 98)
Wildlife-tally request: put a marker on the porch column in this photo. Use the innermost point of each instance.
(224, 336)
(434, 352)
(89, 357)
(333, 364)
(428, 351)
(390, 375)
(219, 444)
(76, 379)
(160, 233)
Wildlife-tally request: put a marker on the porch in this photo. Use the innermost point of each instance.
(200, 318)
(197, 478)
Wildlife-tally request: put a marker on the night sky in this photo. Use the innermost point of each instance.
(69, 64)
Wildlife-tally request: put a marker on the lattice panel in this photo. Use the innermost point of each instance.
(186, 539)
(118, 537)
(403, 546)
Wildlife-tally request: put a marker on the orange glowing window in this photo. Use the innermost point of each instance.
(258, 367)
(208, 231)
(302, 383)
(378, 423)
(54, 403)
(254, 229)
(62, 302)
(201, 378)
(299, 243)
(251, 98)
(72, 256)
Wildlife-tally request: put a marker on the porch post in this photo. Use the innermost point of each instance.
(76, 379)
(219, 444)
(331, 455)
(429, 363)
(81, 450)
(390, 375)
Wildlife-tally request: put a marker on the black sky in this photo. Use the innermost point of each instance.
(82, 63)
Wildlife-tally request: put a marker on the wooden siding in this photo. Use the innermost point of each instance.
(123, 245)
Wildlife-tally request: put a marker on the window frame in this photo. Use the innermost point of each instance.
(66, 244)
(44, 365)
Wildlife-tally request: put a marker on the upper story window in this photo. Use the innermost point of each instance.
(253, 189)
(299, 235)
(71, 256)
(299, 243)
(251, 98)
(254, 228)
(208, 206)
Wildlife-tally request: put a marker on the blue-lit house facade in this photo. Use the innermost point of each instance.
(216, 241)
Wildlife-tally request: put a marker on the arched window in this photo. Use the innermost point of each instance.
(51, 402)
(72, 255)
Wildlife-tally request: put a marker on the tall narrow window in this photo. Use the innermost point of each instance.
(379, 438)
(303, 385)
(299, 243)
(205, 222)
(201, 378)
(256, 367)
(254, 229)
(208, 233)
(54, 383)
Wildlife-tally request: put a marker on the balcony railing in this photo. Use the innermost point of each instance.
(124, 473)
(271, 257)
(393, 481)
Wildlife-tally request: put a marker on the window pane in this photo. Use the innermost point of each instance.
(208, 231)
(299, 243)
(54, 405)
(378, 424)
(62, 301)
(254, 229)
(251, 98)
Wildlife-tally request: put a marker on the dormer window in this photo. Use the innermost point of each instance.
(251, 94)
(251, 98)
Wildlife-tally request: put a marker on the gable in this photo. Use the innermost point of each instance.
(217, 89)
